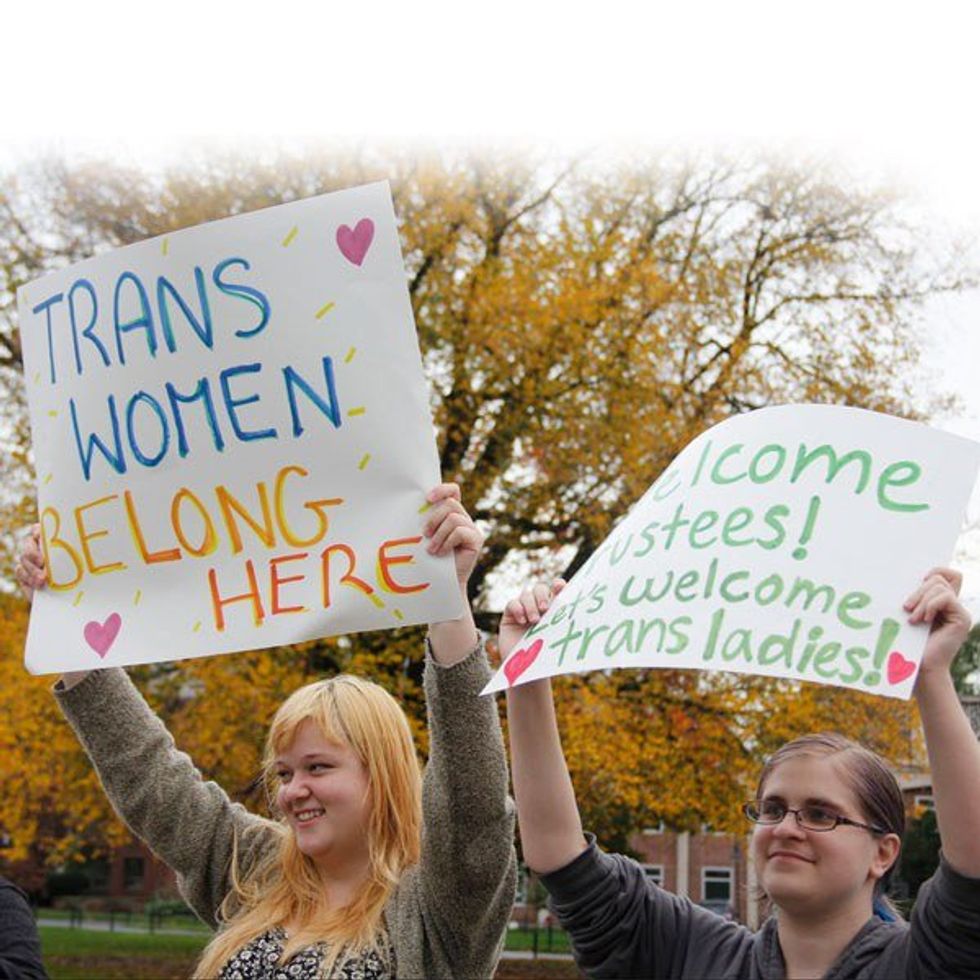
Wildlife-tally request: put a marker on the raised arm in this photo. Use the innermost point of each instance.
(620, 923)
(189, 823)
(155, 789)
(450, 530)
(551, 828)
(954, 752)
(468, 870)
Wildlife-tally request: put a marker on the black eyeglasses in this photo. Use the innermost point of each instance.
(811, 817)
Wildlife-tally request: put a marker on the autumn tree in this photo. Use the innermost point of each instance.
(52, 808)
(579, 326)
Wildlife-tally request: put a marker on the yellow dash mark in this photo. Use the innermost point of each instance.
(350, 355)
(78, 598)
(324, 310)
(377, 600)
(53, 412)
(360, 410)
(165, 246)
(37, 377)
(48, 478)
(424, 507)
(137, 597)
(398, 614)
(364, 461)
(197, 627)
(288, 240)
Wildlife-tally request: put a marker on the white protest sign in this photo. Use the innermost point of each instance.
(780, 542)
(232, 439)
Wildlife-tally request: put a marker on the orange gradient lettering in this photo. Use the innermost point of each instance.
(385, 561)
(84, 536)
(316, 506)
(52, 540)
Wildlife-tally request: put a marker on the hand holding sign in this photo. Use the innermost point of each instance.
(935, 603)
(30, 571)
(520, 613)
(448, 527)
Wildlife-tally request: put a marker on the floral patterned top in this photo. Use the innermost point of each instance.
(259, 960)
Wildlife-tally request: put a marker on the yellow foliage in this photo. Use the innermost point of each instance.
(579, 326)
(51, 803)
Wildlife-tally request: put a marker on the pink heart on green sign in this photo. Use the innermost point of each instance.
(899, 668)
(520, 660)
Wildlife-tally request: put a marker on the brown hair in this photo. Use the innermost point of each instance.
(866, 775)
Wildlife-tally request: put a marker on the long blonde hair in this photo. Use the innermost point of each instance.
(284, 886)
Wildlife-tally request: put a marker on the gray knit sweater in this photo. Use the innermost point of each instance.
(448, 914)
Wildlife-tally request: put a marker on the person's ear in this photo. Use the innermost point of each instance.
(886, 854)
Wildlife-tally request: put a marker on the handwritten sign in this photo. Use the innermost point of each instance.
(780, 542)
(232, 439)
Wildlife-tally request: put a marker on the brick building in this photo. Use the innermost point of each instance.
(130, 877)
(709, 868)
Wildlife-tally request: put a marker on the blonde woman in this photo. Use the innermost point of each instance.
(370, 870)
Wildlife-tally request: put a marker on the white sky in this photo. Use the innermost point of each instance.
(887, 89)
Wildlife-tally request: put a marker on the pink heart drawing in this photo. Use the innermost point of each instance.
(354, 244)
(520, 660)
(899, 668)
(101, 636)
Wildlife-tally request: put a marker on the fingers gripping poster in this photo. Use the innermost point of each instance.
(780, 542)
(232, 440)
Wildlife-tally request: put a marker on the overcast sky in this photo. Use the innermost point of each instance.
(888, 90)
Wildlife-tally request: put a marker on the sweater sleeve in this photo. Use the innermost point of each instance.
(20, 949)
(468, 867)
(623, 925)
(944, 938)
(190, 824)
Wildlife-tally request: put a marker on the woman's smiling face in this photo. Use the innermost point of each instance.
(324, 793)
(805, 871)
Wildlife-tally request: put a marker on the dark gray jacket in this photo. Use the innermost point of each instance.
(622, 925)
(20, 949)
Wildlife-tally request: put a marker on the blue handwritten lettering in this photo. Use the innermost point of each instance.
(331, 409)
(246, 293)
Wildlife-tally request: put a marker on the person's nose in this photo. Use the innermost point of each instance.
(789, 826)
(295, 790)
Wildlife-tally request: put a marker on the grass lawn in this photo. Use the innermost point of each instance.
(537, 970)
(522, 939)
(82, 954)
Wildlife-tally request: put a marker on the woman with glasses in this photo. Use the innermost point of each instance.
(828, 819)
